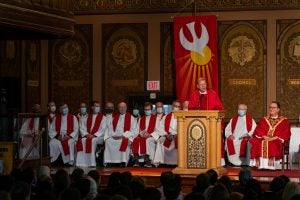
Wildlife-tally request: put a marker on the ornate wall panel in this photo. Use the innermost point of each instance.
(167, 64)
(288, 67)
(10, 58)
(154, 6)
(33, 70)
(125, 60)
(242, 47)
(71, 67)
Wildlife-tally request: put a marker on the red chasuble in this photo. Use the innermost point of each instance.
(209, 101)
(127, 124)
(70, 129)
(267, 126)
(140, 142)
(230, 145)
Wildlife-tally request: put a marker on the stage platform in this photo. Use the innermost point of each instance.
(151, 176)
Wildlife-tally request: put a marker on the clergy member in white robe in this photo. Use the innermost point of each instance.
(28, 133)
(51, 113)
(147, 135)
(119, 136)
(63, 134)
(92, 132)
(238, 131)
(166, 150)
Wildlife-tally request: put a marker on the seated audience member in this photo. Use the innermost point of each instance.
(119, 136)
(63, 133)
(268, 139)
(28, 133)
(238, 131)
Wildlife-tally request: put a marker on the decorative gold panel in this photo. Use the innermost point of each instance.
(10, 58)
(71, 67)
(154, 6)
(167, 59)
(196, 145)
(125, 60)
(242, 64)
(288, 67)
(33, 70)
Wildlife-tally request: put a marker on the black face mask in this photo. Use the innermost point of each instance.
(108, 110)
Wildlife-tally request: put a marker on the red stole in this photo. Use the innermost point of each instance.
(50, 119)
(167, 142)
(243, 148)
(127, 124)
(140, 142)
(70, 129)
(95, 128)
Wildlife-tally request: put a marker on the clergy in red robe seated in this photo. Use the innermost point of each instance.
(204, 99)
(63, 133)
(268, 139)
(238, 132)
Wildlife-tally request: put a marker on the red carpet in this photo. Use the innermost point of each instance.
(231, 171)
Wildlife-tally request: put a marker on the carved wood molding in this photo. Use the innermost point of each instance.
(158, 6)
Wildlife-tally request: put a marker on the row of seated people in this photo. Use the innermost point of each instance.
(154, 137)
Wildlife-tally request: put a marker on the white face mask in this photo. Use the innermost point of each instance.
(175, 109)
(53, 109)
(159, 110)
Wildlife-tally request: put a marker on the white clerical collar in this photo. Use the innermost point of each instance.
(203, 92)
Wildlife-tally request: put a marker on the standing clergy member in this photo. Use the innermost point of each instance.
(147, 135)
(204, 99)
(63, 133)
(166, 151)
(237, 132)
(268, 139)
(28, 133)
(92, 133)
(119, 136)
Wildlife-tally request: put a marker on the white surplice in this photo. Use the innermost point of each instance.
(27, 138)
(165, 155)
(55, 145)
(239, 132)
(84, 159)
(112, 146)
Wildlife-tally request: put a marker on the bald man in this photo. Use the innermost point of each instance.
(119, 136)
(238, 131)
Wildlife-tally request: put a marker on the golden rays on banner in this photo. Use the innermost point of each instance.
(196, 53)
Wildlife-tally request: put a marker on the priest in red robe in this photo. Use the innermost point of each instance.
(204, 99)
(237, 133)
(268, 139)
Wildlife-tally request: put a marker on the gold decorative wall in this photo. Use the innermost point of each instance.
(125, 60)
(10, 58)
(70, 68)
(167, 64)
(288, 67)
(154, 6)
(242, 63)
(33, 70)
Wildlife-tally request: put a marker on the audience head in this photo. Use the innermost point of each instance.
(290, 190)
(151, 193)
(202, 182)
(226, 181)
(219, 192)
(61, 181)
(213, 175)
(95, 175)
(20, 191)
(43, 171)
(71, 193)
(244, 176)
(277, 185)
(172, 188)
(77, 174)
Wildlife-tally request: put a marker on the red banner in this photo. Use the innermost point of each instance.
(196, 55)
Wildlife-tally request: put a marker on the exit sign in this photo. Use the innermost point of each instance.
(153, 85)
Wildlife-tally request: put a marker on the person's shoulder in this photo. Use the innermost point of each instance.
(210, 91)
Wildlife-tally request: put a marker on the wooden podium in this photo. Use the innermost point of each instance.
(199, 141)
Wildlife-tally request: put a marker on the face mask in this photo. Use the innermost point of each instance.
(122, 111)
(135, 112)
(96, 109)
(159, 110)
(65, 111)
(108, 110)
(53, 108)
(148, 112)
(241, 113)
(83, 110)
(175, 109)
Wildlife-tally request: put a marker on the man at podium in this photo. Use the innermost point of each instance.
(204, 99)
